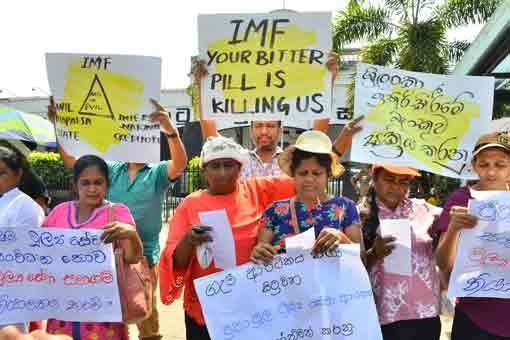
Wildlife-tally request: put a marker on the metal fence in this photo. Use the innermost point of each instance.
(189, 181)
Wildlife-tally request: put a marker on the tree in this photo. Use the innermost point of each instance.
(409, 34)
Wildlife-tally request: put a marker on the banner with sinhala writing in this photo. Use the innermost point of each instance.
(483, 253)
(103, 105)
(266, 66)
(55, 273)
(295, 297)
(428, 121)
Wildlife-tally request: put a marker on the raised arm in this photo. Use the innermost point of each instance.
(179, 159)
(209, 128)
(68, 159)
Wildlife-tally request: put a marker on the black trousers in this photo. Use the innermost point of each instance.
(417, 329)
(465, 329)
(194, 331)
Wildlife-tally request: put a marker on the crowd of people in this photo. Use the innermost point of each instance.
(268, 194)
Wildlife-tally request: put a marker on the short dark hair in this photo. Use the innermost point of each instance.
(89, 161)
(11, 158)
(298, 156)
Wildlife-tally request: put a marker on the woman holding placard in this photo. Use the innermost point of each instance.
(92, 211)
(405, 284)
(335, 220)
(476, 318)
(17, 210)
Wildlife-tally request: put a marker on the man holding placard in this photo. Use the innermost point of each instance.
(264, 68)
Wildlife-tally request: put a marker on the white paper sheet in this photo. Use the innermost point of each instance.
(399, 261)
(223, 246)
(301, 242)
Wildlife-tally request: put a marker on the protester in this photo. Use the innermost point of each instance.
(30, 183)
(92, 211)
(311, 162)
(220, 161)
(476, 318)
(142, 188)
(17, 210)
(408, 306)
(12, 333)
(266, 134)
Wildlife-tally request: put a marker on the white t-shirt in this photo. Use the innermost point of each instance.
(18, 210)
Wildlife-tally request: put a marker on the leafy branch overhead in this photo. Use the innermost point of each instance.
(409, 34)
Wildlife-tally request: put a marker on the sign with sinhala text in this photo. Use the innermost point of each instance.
(427, 121)
(483, 253)
(266, 66)
(55, 273)
(103, 105)
(295, 297)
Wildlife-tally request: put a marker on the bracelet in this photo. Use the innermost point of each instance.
(172, 135)
(335, 150)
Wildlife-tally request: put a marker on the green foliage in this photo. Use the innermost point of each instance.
(50, 167)
(409, 34)
(194, 179)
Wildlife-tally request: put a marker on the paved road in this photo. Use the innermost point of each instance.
(172, 317)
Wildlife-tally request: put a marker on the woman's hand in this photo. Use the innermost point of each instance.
(329, 239)
(263, 253)
(383, 246)
(118, 231)
(460, 219)
(12, 333)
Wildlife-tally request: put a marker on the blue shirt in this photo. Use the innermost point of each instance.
(144, 197)
(337, 213)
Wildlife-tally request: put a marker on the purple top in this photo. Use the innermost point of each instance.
(490, 314)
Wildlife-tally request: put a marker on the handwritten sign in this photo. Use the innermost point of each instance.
(103, 105)
(266, 66)
(423, 120)
(54, 273)
(483, 253)
(295, 297)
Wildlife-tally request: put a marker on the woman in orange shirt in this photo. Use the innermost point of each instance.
(244, 202)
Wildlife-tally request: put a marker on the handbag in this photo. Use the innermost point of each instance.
(134, 281)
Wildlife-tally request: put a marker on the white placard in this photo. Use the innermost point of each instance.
(295, 297)
(427, 121)
(483, 253)
(266, 66)
(103, 105)
(399, 261)
(55, 273)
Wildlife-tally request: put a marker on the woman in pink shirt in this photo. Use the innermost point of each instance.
(90, 211)
(408, 305)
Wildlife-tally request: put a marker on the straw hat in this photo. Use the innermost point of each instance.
(311, 141)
